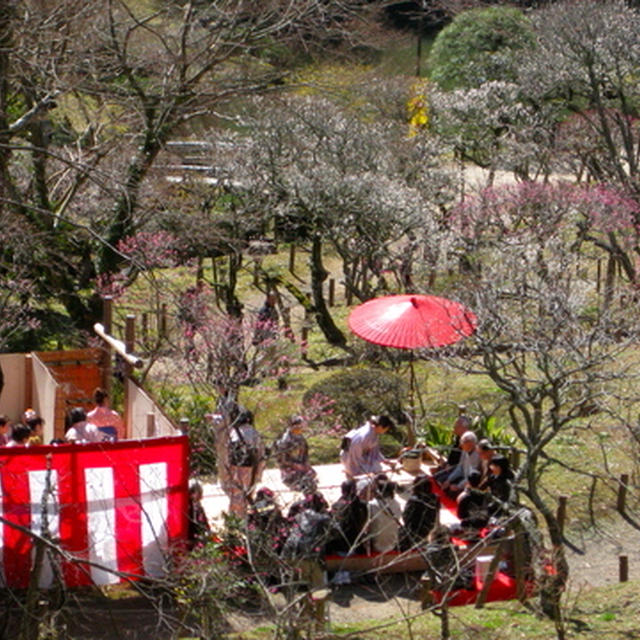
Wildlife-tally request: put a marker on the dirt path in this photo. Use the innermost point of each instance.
(598, 563)
(382, 597)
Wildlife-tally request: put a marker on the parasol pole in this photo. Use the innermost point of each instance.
(413, 393)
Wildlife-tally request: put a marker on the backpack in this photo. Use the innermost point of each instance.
(242, 453)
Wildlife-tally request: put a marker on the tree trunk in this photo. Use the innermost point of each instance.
(609, 283)
(233, 305)
(554, 578)
(318, 275)
(5, 45)
(445, 633)
(122, 216)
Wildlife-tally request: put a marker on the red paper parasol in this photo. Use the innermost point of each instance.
(412, 321)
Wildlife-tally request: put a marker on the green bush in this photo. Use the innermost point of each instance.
(479, 46)
(201, 437)
(439, 435)
(359, 393)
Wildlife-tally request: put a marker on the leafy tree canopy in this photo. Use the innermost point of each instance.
(479, 46)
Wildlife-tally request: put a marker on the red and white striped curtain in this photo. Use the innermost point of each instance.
(114, 510)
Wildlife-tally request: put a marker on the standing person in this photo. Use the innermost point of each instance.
(226, 414)
(5, 431)
(191, 315)
(80, 430)
(245, 462)
(104, 417)
(292, 454)
(267, 320)
(360, 451)
(463, 421)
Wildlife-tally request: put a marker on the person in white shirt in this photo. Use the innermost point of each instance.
(19, 435)
(360, 452)
(385, 516)
(80, 430)
(469, 460)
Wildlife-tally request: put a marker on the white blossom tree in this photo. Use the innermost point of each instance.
(334, 177)
(92, 92)
(563, 361)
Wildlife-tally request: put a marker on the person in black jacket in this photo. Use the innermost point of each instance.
(199, 531)
(349, 515)
(420, 513)
(500, 485)
(444, 570)
(462, 424)
(473, 505)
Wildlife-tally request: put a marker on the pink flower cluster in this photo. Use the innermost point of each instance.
(150, 249)
(542, 208)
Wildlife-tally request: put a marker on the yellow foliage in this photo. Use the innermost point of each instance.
(417, 108)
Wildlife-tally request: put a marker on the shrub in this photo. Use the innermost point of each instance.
(357, 394)
(201, 436)
(479, 46)
(210, 582)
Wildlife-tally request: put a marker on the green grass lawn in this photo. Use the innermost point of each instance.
(607, 613)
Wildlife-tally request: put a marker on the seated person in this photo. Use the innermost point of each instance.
(305, 544)
(486, 453)
(473, 504)
(292, 454)
(198, 531)
(315, 501)
(264, 512)
(444, 570)
(384, 518)
(461, 426)
(349, 515)
(309, 529)
(29, 414)
(36, 424)
(5, 430)
(455, 481)
(20, 434)
(80, 430)
(420, 513)
(104, 417)
(500, 483)
(267, 530)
